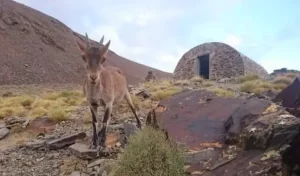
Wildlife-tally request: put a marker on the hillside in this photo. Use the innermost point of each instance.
(36, 49)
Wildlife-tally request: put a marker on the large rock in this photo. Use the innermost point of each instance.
(65, 141)
(290, 96)
(83, 151)
(3, 132)
(209, 126)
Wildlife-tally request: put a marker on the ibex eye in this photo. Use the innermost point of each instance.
(83, 57)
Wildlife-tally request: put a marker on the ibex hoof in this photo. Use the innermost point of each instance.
(93, 146)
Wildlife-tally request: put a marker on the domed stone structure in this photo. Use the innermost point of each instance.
(214, 61)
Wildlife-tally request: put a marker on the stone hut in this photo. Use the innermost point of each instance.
(215, 61)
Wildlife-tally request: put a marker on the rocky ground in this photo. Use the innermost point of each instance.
(254, 132)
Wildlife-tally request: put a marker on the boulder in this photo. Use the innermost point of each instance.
(41, 125)
(3, 132)
(227, 134)
(83, 151)
(64, 141)
(290, 96)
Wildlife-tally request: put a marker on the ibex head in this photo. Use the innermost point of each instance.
(93, 58)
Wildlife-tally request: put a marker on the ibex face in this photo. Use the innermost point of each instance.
(93, 58)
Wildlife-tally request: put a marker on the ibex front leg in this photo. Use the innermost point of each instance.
(94, 119)
(105, 123)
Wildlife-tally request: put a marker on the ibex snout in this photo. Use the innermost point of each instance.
(93, 78)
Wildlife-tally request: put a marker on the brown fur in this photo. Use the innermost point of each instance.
(103, 86)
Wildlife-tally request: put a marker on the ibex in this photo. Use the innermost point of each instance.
(103, 86)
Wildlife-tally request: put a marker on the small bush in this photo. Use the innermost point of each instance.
(197, 79)
(279, 87)
(37, 112)
(256, 86)
(208, 84)
(245, 78)
(157, 85)
(55, 104)
(291, 75)
(58, 114)
(12, 111)
(283, 80)
(163, 94)
(222, 92)
(148, 154)
(181, 82)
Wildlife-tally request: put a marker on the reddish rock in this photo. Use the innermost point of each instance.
(200, 120)
(41, 125)
(190, 119)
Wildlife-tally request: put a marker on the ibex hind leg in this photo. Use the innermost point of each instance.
(129, 101)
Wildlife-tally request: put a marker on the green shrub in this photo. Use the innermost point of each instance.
(149, 154)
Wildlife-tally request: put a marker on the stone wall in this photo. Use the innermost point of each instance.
(225, 62)
(251, 67)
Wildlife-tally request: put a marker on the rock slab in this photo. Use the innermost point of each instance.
(82, 151)
(64, 141)
(3, 132)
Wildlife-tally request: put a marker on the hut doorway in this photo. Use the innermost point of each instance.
(204, 66)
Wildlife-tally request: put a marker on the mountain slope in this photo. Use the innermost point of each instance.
(36, 48)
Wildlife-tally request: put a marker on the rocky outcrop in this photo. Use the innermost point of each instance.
(224, 62)
(230, 136)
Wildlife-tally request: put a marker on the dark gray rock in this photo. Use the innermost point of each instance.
(82, 151)
(65, 141)
(129, 129)
(36, 144)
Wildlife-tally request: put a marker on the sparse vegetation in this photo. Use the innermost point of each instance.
(197, 79)
(256, 86)
(147, 154)
(283, 80)
(56, 105)
(181, 83)
(222, 92)
(246, 78)
(163, 94)
(291, 75)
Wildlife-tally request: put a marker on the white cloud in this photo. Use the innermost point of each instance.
(232, 40)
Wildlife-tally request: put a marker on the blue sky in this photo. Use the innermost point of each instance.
(158, 32)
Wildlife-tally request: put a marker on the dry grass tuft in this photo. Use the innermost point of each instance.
(148, 153)
(56, 105)
(222, 92)
(197, 79)
(163, 94)
(256, 86)
(283, 80)
(181, 82)
(246, 78)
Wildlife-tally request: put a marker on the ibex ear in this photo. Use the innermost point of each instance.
(81, 47)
